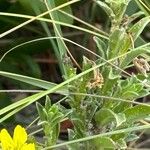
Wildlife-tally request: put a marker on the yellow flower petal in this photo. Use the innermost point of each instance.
(6, 140)
(30, 146)
(18, 142)
(19, 137)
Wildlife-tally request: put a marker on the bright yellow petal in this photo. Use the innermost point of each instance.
(6, 140)
(30, 146)
(20, 136)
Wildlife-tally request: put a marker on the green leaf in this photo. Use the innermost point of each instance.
(132, 54)
(42, 112)
(70, 70)
(86, 64)
(71, 136)
(130, 89)
(105, 116)
(137, 28)
(117, 137)
(103, 142)
(121, 144)
(119, 8)
(144, 5)
(67, 9)
(54, 115)
(120, 118)
(27, 6)
(135, 15)
(110, 79)
(132, 8)
(55, 134)
(19, 105)
(32, 81)
(62, 48)
(47, 103)
(101, 47)
(137, 112)
(106, 8)
(119, 43)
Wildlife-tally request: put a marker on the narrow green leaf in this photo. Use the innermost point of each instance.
(144, 5)
(38, 9)
(19, 105)
(47, 103)
(42, 112)
(101, 47)
(32, 81)
(62, 48)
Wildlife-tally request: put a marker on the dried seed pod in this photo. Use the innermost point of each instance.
(141, 65)
(97, 80)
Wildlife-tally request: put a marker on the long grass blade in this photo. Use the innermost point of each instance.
(56, 22)
(34, 18)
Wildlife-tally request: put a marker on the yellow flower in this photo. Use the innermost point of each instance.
(18, 142)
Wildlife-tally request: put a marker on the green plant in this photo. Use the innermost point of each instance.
(102, 98)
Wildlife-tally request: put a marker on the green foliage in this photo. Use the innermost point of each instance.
(144, 6)
(136, 113)
(103, 143)
(32, 81)
(50, 118)
(101, 97)
(105, 116)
